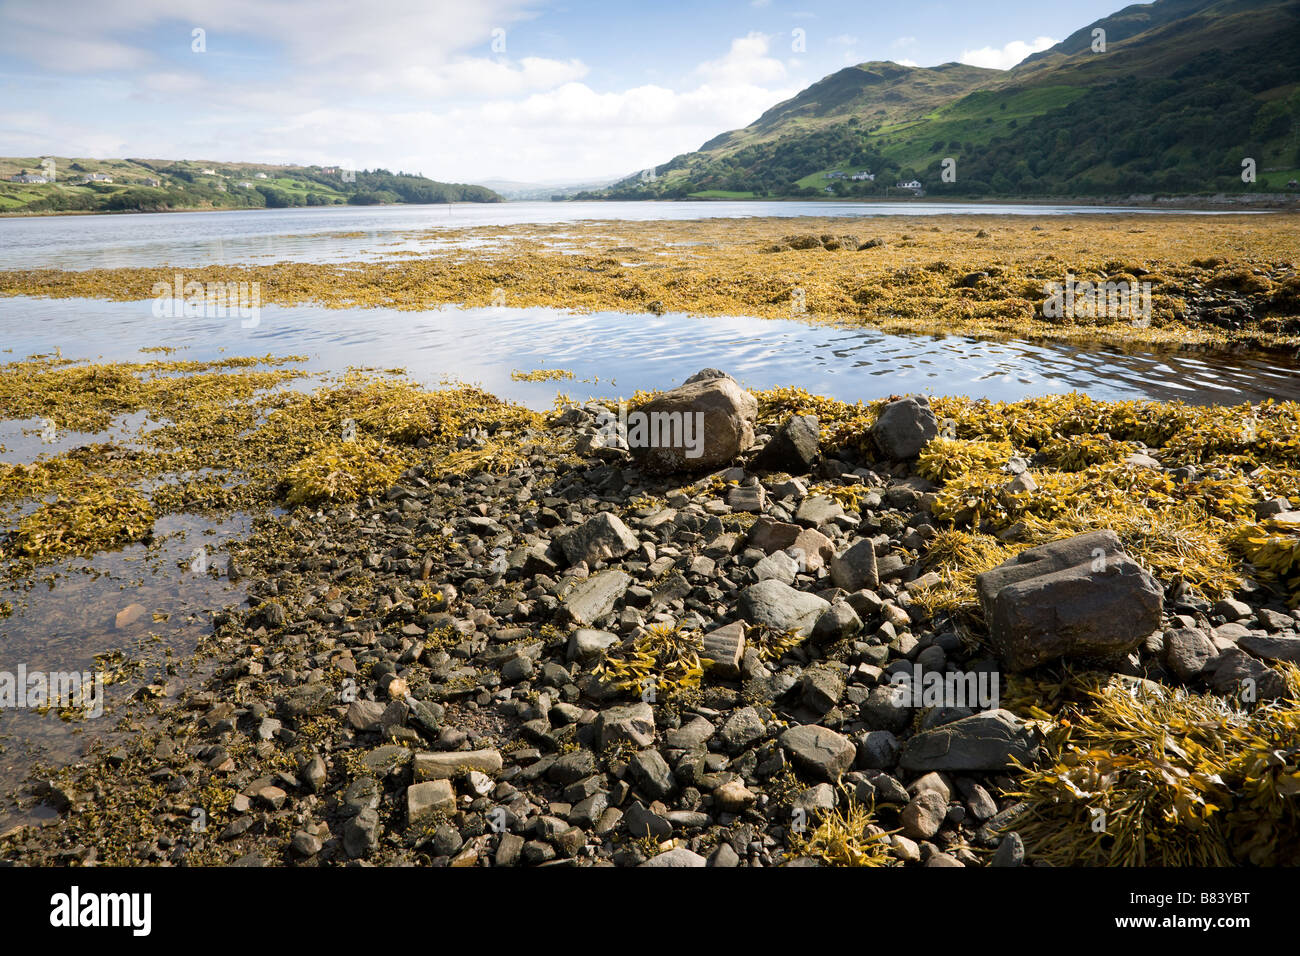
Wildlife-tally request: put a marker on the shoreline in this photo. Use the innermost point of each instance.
(468, 686)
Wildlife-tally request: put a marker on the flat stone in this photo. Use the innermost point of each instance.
(587, 644)
(588, 601)
(1271, 648)
(676, 859)
(985, 741)
(447, 765)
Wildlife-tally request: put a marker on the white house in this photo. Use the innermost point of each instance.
(28, 178)
(245, 184)
(913, 184)
(261, 176)
(207, 172)
(863, 176)
(98, 178)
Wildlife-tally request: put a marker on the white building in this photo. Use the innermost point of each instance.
(28, 178)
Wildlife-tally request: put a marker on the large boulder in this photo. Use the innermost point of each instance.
(905, 427)
(701, 425)
(781, 607)
(1082, 597)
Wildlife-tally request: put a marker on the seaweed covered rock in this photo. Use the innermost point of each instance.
(1081, 597)
(698, 426)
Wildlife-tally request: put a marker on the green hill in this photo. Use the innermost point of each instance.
(1183, 92)
(157, 185)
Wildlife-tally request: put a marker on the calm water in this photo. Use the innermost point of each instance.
(318, 234)
(614, 354)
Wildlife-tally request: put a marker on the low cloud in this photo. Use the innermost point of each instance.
(1006, 57)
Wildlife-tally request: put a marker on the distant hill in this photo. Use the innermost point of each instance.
(1183, 92)
(517, 190)
(157, 185)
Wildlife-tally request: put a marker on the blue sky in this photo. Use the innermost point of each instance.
(466, 91)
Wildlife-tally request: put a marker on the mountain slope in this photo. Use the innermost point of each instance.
(1182, 93)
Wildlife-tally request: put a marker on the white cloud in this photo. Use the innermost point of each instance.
(904, 41)
(907, 62)
(746, 63)
(1006, 57)
(417, 88)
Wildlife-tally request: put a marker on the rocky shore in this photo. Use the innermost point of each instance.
(629, 656)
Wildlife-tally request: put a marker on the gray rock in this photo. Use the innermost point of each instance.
(1187, 650)
(361, 834)
(1082, 597)
(856, 568)
(424, 800)
(1237, 674)
(741, 729)
(587, 644)
(599, 538)
(819, 750)
(1010, 852)
(793, 448)
(836, 623)
(818, 510)
(588, 601)
(641, 822)
(985, 741)
(781, 607)
(630, 723)
(905, 427)
(1271, 648)
(653, 776)
(821, 688)
(924, 815)
(878, 750)
(777, 566)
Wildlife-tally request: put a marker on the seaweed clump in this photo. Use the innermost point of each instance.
(1141, 775)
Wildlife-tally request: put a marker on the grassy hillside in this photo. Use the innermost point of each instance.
(154, 185)
(1183, 92)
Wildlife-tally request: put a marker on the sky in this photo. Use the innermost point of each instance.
(459, 90)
